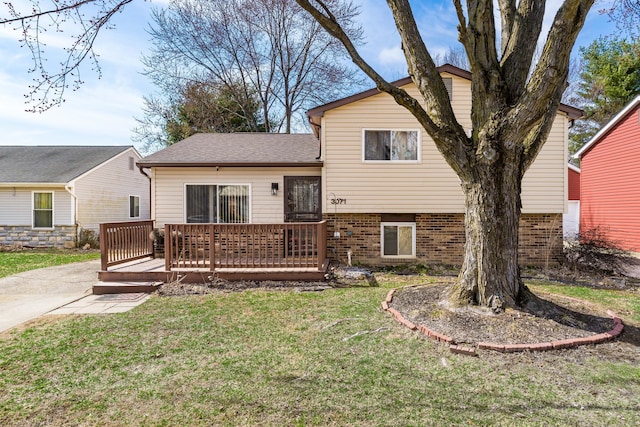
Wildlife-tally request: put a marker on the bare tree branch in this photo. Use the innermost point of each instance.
(507, 17)
(64, 7)
(50, 86)
(519, 45)
(542, 94)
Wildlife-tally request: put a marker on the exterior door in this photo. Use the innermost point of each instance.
(302, 199)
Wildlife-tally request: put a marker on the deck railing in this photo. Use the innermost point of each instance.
(121, 242)
(213, 246)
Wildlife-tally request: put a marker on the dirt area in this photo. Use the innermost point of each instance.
(564, 318)
(181, 289)
(418, 300)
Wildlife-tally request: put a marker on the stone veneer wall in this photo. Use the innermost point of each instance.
(439, 239)
(62, 236)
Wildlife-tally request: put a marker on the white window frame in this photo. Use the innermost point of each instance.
(398, 224)
(33, 208)
(184, 192)
(390, 161)
(133, 197)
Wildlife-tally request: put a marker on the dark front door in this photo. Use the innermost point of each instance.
(302, 199)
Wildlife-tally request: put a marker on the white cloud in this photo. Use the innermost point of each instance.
(392, 56)
(99, 113)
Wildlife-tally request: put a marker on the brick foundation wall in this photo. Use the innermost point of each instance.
(540, 240)
(60, 237)
(439, 239)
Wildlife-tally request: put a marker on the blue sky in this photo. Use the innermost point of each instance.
(102, 111)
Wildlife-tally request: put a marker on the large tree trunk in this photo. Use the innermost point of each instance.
(513, 109)
(490, 275)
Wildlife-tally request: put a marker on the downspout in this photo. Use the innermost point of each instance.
(140, 169)
(69, 190)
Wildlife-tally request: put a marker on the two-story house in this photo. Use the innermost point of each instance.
(369, 170)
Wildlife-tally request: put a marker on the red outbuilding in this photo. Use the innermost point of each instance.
(610, 180)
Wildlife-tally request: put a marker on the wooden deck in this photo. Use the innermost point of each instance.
(153, 270)
(200, 253)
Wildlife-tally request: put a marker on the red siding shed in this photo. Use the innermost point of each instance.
(574, 183)
(610, 179)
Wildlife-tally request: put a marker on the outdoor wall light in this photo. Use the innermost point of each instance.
(274, 188)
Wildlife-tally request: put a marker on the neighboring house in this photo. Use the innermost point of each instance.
(375, 176)
(571, 220)
(48, 194)
(610, 180)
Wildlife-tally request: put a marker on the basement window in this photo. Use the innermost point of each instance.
(398, 239)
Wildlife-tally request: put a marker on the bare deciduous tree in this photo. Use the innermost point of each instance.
(84, 17)
(513, 108)
(626, 14)
(271, 48)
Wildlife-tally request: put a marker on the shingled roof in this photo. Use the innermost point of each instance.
(51, 164)
(239, 149)
(316, 113)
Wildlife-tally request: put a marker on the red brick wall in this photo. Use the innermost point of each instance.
(439, 239)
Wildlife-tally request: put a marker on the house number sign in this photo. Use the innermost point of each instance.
(338, 201)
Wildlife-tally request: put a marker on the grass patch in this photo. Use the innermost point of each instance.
(17, 262)
(275, 358)
(625, 303)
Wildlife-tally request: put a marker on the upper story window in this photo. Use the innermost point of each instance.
(448, 84)
(391, 145)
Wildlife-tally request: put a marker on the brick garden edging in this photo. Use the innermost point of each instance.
(618, 327)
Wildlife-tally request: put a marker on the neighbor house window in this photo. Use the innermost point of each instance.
(134, 206)
(392, 145)
(398, 239)
(43, 210)
(217, 203)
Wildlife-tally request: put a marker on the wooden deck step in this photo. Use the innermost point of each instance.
(104, 288)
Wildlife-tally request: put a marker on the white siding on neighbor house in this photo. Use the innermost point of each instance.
(168, 188)
(571, 220)
(16, 206)
(430, 185)
(103, 193)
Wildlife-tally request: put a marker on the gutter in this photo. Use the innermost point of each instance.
(140, 169)
(229, 165)
(33, 184)
(69, 190)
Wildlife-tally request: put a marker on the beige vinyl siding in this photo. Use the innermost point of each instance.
(103, 193)
(430, 185)
(544, 187)
(169, 186)
(17, 205)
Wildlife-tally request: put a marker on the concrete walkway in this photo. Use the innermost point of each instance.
(64, 289)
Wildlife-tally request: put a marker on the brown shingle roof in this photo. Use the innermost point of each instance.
(239, 149)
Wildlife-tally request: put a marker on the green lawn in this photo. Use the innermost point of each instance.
(17, 262)
(284, 358)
